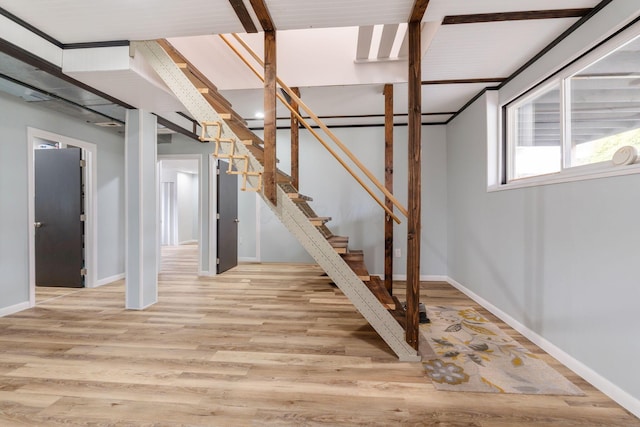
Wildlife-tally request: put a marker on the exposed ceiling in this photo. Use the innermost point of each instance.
(469, 45)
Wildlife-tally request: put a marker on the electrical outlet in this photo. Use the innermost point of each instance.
(397, 253)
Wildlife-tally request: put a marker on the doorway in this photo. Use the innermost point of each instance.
(83, 262)
(227, 215)
(59, 216)
(180, 214)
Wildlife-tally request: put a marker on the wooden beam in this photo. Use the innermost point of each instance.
(463, 81)
(269, 176)
(515, 16)
(388, 182)
(243, 15)
(295, 143)
(419, 7)
(414, 191)
(262, 12)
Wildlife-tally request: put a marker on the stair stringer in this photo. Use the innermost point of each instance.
(286, 210)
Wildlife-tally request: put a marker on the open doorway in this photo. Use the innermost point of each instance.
(180, 219)
(62, 206)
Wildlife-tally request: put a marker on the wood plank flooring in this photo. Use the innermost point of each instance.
(260, 345)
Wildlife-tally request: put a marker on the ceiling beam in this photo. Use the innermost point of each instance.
(419, 8)
(262, 12)
(389, 32)
(515, 16)
(365, 34)
(463, 81)
(243, 15)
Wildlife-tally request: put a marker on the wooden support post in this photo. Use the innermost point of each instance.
(413, 221)
(295, 142)
(269, 176)
(388, 183)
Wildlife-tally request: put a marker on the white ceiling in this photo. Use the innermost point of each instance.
(312, 52)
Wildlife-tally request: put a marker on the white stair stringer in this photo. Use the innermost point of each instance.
(286, 209)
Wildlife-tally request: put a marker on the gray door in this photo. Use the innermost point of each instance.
(58, 209)
(227, 219)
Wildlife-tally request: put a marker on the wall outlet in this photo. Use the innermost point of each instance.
(397, 252)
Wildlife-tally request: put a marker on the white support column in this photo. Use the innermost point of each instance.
(141, 209)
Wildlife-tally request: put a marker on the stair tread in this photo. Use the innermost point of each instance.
(320, 220)
(358, 267)
(377, 288)
(299, 198)
(338, 242)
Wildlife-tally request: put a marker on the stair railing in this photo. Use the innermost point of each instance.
(324, 128)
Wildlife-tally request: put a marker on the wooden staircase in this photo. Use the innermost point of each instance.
(245, 154)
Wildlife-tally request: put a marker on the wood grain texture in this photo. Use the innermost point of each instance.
(388, 183)
(243, 15)
(515, 16)
(262, 12)
(295, 142)
(271, 344)
(414, 190)
(270, 161)
(419, 8)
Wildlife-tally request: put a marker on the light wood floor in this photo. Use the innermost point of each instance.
(260, 345)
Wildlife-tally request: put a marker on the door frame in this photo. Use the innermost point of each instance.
(90, 152)
(201, 201)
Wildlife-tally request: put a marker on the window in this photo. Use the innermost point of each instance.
(577, 121)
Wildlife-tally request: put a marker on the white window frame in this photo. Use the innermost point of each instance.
(503, 178)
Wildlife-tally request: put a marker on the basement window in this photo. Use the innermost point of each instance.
(584, 122)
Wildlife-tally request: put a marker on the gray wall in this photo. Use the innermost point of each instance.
(15, 117)
(354, 213)
(560, 259)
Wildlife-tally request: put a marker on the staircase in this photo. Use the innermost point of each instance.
(243, 150)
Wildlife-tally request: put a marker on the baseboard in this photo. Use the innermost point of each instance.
(248, 259)
(423, 277)
(188, 242)
(204, 273)
(14, 308)
(108, 280)
(623, 398)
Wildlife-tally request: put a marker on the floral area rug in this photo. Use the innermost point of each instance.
(466, 352)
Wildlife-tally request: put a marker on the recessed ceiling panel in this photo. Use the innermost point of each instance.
(488, 50)
(75, 21)
(441, 98)
(299, 14)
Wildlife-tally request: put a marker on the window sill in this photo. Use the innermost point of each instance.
(570, 175)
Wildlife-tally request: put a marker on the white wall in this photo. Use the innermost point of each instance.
(15, 117)
(187, 185)
(561, 260)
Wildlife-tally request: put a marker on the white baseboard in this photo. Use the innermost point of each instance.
(14, 308)
(187, 242)
(248, 259)
(204, 273)
(624, 399)
(108, 280)
(423, 277)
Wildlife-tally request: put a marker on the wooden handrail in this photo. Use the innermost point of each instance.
(319, 122)
(315, 134)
